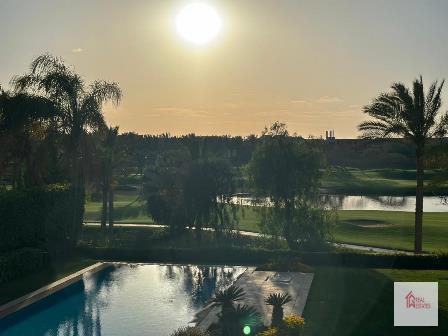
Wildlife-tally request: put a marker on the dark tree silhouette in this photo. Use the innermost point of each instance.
(23, 119)
(80, 107)
(287, 171)
(414, 116)
(107, 165)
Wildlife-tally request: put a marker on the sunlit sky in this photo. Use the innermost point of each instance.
(311, 64)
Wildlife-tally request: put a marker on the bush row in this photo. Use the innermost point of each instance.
(20, 262)
(47, 217)
(234, 255)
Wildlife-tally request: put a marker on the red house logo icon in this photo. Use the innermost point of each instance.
(416, 302)
(410, 300)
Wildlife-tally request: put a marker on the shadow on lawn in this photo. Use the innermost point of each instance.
(347, 301)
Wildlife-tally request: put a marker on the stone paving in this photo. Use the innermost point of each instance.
(258, 285)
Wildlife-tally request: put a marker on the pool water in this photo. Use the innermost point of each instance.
(124, 299)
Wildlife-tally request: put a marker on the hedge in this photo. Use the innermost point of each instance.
(48, 217)
(234, 255)
(20, 262)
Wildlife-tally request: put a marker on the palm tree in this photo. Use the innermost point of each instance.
(277, 301)
(108, 147)
(23, 119)
(242, 316)
(80, 106)
(226, 299)
(414, 116)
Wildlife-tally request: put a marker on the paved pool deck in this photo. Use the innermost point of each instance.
(258, 285)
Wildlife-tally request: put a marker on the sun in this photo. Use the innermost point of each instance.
(198, 23)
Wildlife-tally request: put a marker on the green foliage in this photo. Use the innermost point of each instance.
(190, 331)
(208, 188)
(48, 217)
(182, 192)
(289, 172)
(292, 324)
(228, 296)
(278, 299)
(283, 168)
(17, 263)
(78, 107)
(23, 127)
(163, 189)
(271, 331)
(228, 255)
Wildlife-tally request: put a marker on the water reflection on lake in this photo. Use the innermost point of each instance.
(387, 203)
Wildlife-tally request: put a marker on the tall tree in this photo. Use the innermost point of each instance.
(285, 175)
(80, 106)
(416, 117)
(23, 119)
(182, 192)
(107, 167)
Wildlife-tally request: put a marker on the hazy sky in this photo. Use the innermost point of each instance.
(311, 64)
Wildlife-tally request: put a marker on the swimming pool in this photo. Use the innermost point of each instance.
(124, 299)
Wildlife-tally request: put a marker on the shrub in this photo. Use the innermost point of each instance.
(254, 255)
(45, 217)
(190, 331)
(292, 324)
(19, 262)
(271, 331)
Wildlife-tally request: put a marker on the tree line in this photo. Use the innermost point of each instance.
(52, 130)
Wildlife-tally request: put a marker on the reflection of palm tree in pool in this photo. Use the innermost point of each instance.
(82, 315)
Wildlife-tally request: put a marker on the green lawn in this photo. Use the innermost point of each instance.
(128, 208)
(394, 229)
(349, 301)
(352, 181)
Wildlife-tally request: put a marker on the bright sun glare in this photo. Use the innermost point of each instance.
(198, 23)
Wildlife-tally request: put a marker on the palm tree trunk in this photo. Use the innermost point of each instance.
(418, 242)
(111, 207)
(104, 208)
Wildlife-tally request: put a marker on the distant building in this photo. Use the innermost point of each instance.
(329, 135)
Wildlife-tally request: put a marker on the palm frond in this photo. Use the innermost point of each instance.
(278, 299)
(102, 91)
(400, 113)
(46, 63)
(247, 315)
(229, 295)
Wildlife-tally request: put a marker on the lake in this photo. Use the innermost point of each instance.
(386, 203)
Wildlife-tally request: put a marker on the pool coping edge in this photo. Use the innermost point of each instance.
(41, 293)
